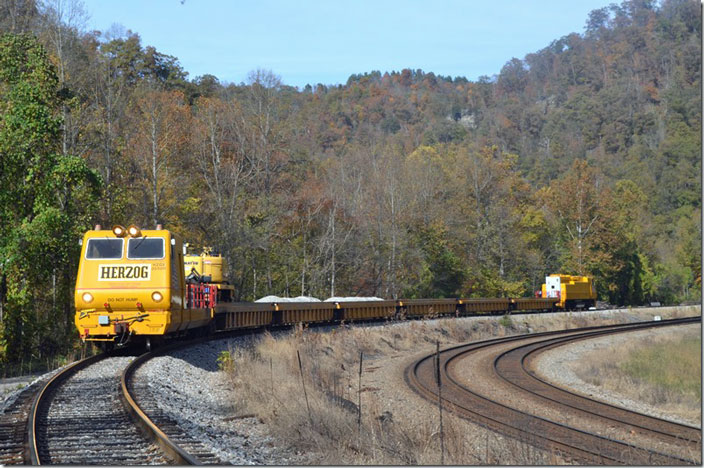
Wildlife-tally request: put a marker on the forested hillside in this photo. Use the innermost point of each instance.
(583, 158)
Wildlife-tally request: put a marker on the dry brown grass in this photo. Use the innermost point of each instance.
(664, 371)
(267, 382)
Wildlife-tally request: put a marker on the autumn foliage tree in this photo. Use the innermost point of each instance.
(160, 122)
(45, 203)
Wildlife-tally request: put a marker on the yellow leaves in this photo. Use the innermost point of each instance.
(423, 154)
(192, 205)
(533, 225)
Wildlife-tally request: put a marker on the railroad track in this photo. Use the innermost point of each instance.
(94, 412)
(77, 418)
(13, 426)
(579, 429)
(144, 408)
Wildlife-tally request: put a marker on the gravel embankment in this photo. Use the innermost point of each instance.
(192, 392)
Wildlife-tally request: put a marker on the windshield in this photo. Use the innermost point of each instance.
(142, 247)
(104, 248)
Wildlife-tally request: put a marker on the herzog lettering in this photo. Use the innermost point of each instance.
(139, 272)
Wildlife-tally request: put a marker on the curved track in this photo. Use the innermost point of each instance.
(94, 412)
(140, 403)
(547, 416)
(77, 418)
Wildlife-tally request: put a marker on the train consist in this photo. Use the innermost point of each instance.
(140, 285)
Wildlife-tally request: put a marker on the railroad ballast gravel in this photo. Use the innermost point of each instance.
(191, 390)
(87, 424)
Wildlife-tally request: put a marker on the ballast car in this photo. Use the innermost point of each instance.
(138, 285)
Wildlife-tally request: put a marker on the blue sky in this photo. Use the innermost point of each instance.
(327, 41)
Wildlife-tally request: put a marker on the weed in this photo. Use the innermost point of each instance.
(225, 362)
(664, 370)
(506, 321)
(673, 366)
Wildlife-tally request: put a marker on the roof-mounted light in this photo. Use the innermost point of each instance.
(119, 231)
(134, 231)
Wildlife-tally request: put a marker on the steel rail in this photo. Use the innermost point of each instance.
(41, 398)
(152, 430)
(676, 431)
(511, 424)
(626, 447)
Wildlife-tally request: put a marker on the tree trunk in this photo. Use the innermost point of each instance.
(155, 209)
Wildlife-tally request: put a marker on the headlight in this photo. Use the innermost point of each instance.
(118, 230)
(156, 296)
(134, 231)
(87, 298)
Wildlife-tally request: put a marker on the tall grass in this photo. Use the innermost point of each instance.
(268, 383)
(663, 371)
(674, 366)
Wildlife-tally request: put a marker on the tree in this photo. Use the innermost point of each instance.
(221, 160)
(577, 201)
(626, 272)
(159, 121)
(46, 195)
(18, 16)
(63, 19)
(443, 274)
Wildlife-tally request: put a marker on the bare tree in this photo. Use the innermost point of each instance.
(221, 156)
(18, 16)
(160, 120)
(62, 22)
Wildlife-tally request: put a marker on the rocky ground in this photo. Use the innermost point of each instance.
(192, 391)
(12, 387)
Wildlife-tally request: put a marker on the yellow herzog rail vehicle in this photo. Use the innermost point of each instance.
(132, 283)
(573, 292)
(140, 286)
(208, 268)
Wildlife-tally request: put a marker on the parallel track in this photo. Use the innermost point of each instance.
(573, 443)
(515, 367)
(13, 426)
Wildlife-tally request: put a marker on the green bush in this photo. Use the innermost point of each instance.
(506, 321)
(225, 361)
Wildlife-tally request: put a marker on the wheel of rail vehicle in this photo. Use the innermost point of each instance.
(106, 346)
